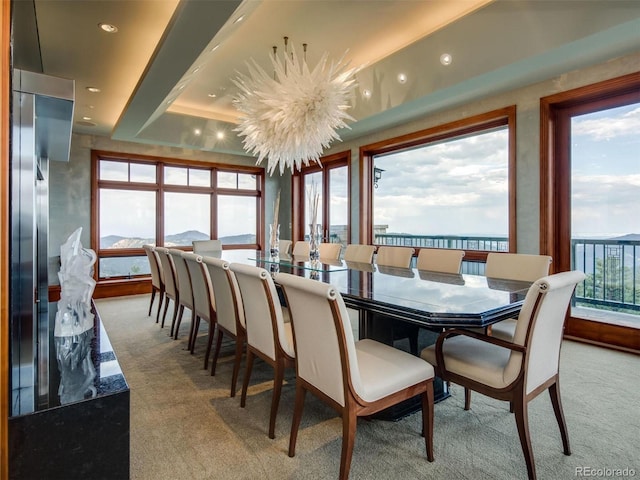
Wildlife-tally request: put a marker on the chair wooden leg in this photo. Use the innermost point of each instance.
(297, 416)
(247, 376)
(212, 330)
(178, 321)
(467, 398)
(193, 331)
(275, 399)
(153, 296)
(174, 317)
(349, 423)
(161, 299)
(427, 420)
(164, 315)
(214, 362)
(554, 393)
(522, 422)
(236, 365)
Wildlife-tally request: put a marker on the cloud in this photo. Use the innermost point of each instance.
(611, 126)
(453, 187)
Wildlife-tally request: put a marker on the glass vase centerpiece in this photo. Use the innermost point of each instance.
(274, 230)
(314, 227)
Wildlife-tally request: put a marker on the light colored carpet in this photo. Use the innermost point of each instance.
(184, 425)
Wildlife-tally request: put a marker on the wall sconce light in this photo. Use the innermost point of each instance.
(377, 175)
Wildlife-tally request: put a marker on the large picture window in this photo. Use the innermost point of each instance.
(146, 200)
(447, 187)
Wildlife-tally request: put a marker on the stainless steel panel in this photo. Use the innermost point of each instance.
(23, 254)
(41, 130)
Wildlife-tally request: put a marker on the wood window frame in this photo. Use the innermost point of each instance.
(142, 283)
(555, 185)
(501, 117)
(336, 160)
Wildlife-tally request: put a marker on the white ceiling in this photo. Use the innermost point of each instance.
(157, 72)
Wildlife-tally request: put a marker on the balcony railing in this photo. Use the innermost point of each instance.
(493, 244)
(612, 266)
(613, 273)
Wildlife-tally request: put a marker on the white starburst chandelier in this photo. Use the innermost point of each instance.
(291, 117)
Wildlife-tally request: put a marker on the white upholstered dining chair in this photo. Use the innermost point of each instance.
(229, 313)
(514, 266)
(268, 336)
(204, 305)
(399, 257)
(519, 370)
(204, 247)
(300, 248)
(440, 260)
(355, 378)
(185, 296)
(157, 278)
(359, 253)
(329, 251)
(170, 285)
(284, 247)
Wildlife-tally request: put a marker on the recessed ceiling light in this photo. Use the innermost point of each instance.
(366, 93)
(196, 70)
(446, 59)
(239, 19)
(212, 95)
(215, 48)
(84, 123)
(107, 27)
(86, 118)
(402, 78)
(181, 87)
(220, 135)
(93, 89)
(197, 131)
(169, 102)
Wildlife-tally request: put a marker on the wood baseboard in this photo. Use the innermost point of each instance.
(114, 288)
(619, 337)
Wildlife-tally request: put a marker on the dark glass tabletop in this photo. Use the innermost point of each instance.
(427, 298)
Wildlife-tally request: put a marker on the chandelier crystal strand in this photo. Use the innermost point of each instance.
(291, 118)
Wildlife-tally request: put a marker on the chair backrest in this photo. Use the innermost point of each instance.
(206, 246)
(440, 260)
(154, 264)
(284, 247)
(301, 248)
(262, 310)
(203, 300)
(322, 336)
(169, 272)
(183, 277)
(329, 251)
(229, 311)
(394, 256)
(517, 266)
(359, 253)
(540, 327)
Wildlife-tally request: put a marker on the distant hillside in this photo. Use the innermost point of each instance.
(628, 236)
(116, 241)
(183, 239)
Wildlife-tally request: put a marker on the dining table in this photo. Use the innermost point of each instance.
(399, 304)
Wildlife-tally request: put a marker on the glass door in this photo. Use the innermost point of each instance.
(330, 183)
(590, 186)
(605, 224)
